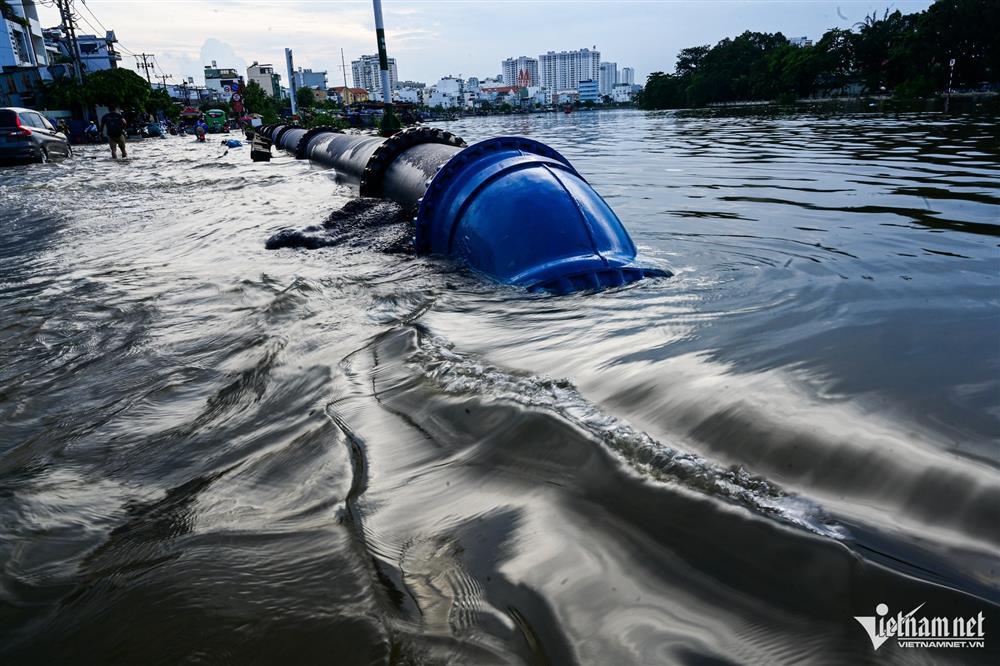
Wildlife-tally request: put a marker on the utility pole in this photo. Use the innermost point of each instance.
(291, 81)
(164, 78)
(146, 64)
(343, 68)
(383, 58)
(66, 16)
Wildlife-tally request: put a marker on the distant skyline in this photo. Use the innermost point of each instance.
(435, 38)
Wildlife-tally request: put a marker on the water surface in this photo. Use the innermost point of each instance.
(215, 453)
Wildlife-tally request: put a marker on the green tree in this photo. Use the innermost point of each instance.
(305, 98)
(256, 99)
(663, 91)
(159, 101)
(117, 87)
(65, 93)
(689, 59)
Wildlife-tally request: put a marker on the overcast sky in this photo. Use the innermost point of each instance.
(432, 38)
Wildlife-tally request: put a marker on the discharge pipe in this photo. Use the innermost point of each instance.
(511, 208)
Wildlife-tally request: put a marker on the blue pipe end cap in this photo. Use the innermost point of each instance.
(516, 211)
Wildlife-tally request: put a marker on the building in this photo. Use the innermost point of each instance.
(520, 71)
(223, 80)
(97, 53)
(266, 78)
(589, 91)
(564, 70)
(450, 85)
(187, 92)
(366, 74)
(306, 78)
(24, 60)
(417, 85)
(408, 95)
(626, 75)
(347, 96)
(622, 92)
(608, 77)
(800, 41)
(22, 43)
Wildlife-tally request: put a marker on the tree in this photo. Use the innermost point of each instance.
(117, 87)
(256, 99)
(159, 101)
(689, 59)
(65, 93)
(663, 91)
(305, 97)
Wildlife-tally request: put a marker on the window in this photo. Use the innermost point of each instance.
(31, 120)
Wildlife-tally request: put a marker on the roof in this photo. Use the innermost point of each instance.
(499, 89)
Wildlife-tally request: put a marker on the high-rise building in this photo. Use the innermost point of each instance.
(626, 75)
(266, 78)
(565, 70)
(608, 78)
(518, 70)
(365, 71)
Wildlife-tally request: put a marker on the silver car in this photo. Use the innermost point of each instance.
(26, 136)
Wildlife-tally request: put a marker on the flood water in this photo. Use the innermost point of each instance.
(215, 453)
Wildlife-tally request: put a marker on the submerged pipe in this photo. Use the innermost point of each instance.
(510, 208)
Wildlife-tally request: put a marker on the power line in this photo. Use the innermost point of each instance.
(91, 12)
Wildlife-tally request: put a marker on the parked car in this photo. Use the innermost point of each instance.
(26, 136)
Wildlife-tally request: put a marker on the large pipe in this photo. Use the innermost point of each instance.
(511, 208)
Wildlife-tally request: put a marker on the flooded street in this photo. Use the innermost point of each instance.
(215, 453)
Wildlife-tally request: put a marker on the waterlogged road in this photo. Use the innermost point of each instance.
(215, 453)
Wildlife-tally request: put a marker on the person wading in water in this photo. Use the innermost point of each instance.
(113, 123)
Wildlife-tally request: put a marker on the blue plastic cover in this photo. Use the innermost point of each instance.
(517, 211)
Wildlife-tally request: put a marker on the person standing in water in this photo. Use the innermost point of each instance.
(114, 124)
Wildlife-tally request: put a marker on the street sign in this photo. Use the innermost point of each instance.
(236, 97)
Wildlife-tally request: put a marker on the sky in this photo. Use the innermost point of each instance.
(434, 38)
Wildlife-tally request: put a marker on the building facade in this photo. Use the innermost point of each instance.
(223, 80)
(622, 92)
(266, 78)
(97, 52)
(366, 74)
(608, 77)
(22, 43)
(564, 70)
(347, 96)
(589, 91)
(306, 78)
(520, 71)
(626, 75)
